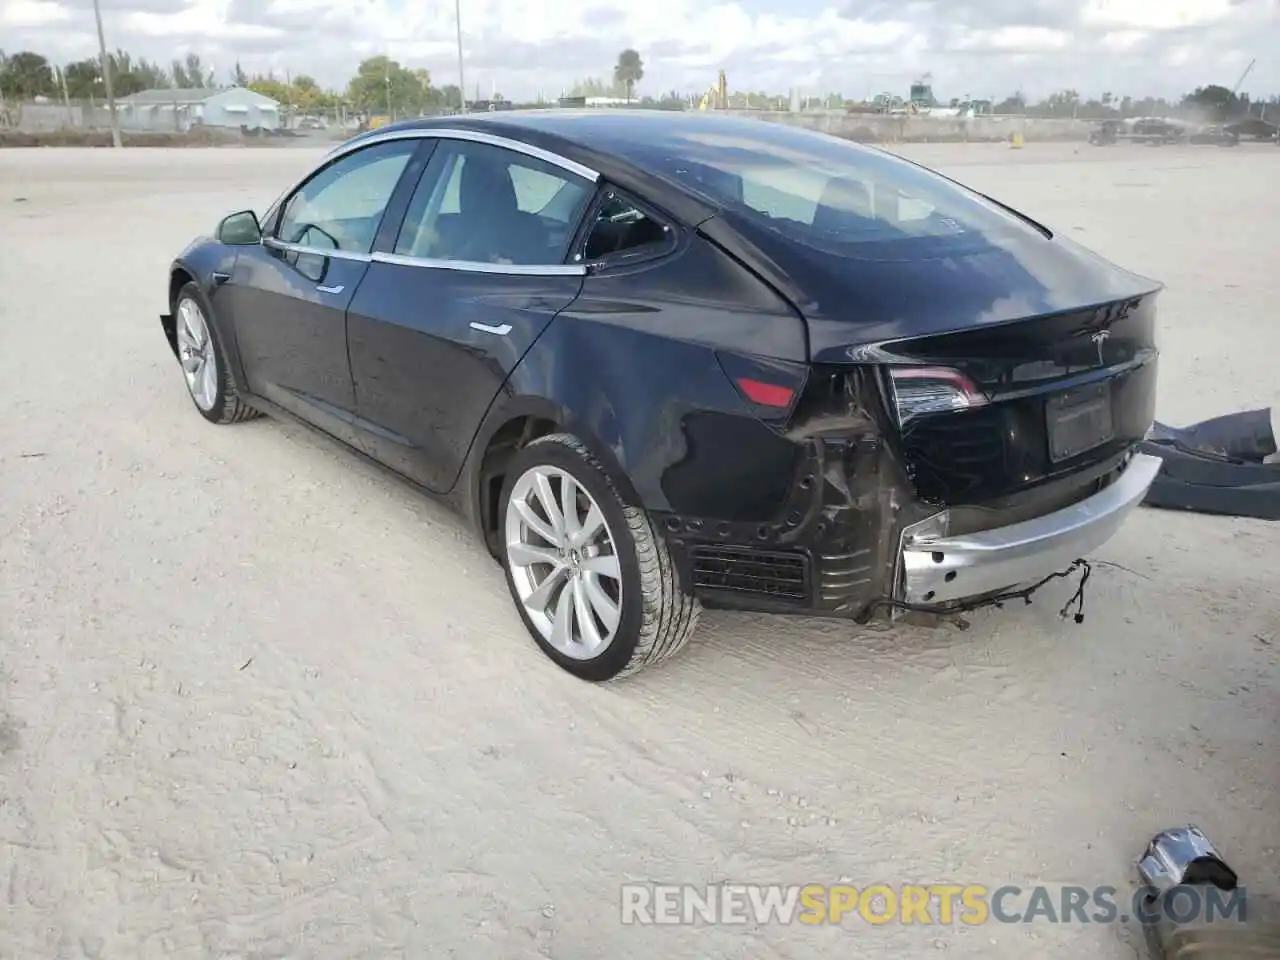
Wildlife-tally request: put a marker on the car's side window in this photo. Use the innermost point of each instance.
(623, 230)
(485, 204)
(341, 207)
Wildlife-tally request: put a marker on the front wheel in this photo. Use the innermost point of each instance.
(592, 578)
(204, 362)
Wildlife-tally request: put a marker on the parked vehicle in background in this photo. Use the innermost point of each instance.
(1106, 133)
(660, 360)
(1157, 131)
(1254, 128)
(1151, 130)
(1215, 135)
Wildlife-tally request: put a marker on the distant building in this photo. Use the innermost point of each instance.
(162, 111)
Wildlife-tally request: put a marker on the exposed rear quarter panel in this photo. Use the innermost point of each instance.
(631, 364)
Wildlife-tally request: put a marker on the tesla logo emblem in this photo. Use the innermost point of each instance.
(1098, 339)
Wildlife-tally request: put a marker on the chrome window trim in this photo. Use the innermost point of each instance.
(473, 266)
(465, 266)
(474, 136)
(316, 251)
(441, 133)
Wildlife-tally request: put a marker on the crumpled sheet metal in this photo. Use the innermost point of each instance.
(1182, 858)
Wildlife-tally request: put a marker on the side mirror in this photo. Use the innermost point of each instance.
(240, 228)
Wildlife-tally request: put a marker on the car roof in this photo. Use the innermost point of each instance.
(617, 143)
(619, 128)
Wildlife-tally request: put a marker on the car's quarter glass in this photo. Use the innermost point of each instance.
(623, 232)
(287, 299)
(475, 275)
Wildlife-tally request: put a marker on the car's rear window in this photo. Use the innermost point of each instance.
(831, 194)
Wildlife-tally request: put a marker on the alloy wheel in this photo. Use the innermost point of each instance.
(564, 562)
(196, 354)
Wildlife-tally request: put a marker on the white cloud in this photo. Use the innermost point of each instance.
(18, 14)
(1154, 14)
(988, 47)
(1018, 39)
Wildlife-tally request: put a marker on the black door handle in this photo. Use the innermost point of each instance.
(220, 278)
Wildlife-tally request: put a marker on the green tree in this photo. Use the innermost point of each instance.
(1063, 103)
(381, 85)
(238, 77)
(83, 78)
(305, 94)
(130, 76)
(1214, 101)
(26, 75)
(448, 97)
(629, 70)
(191, 73)
(271, 88)
(1011, 105)
(594, 87)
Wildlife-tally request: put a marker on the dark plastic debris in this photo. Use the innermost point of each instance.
(1217, 466)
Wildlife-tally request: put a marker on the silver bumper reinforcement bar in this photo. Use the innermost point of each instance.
(942, 569)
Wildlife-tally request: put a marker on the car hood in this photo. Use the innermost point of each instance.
(917, 288)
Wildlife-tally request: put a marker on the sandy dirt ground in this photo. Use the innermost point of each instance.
(260, 700)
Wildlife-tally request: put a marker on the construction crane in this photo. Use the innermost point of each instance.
(1247, 71)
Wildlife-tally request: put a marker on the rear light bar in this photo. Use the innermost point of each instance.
(920, 391)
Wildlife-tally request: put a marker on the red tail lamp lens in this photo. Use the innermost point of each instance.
(766, 394)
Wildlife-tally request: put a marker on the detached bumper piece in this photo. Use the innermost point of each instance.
(1183, 875)
(939, 569)
(1217, 466)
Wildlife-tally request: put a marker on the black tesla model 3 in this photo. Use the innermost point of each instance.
(662, 360)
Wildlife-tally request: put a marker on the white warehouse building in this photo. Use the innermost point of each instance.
(163, 111)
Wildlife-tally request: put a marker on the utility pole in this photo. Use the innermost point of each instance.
(387, 79)
(462, 79)
(66, 97)
(106, 77)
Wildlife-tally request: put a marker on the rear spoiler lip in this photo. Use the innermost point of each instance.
(869, 344)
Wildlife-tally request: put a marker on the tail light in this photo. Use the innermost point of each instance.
(771, 386)
(919, 391)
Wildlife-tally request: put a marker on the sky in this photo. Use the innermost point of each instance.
(971, 48)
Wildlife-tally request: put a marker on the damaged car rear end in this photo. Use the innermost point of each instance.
(976, 389)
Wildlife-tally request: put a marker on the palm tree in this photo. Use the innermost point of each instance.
(629, 70)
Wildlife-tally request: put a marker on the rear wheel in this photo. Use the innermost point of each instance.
(591, 577)
(204, 363)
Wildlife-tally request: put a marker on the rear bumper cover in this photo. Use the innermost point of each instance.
(937, 569)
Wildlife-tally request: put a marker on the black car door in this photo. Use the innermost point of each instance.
(451, 305)
(287, 298)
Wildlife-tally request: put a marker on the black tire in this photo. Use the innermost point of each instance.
(227, 406)
(657, 613)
